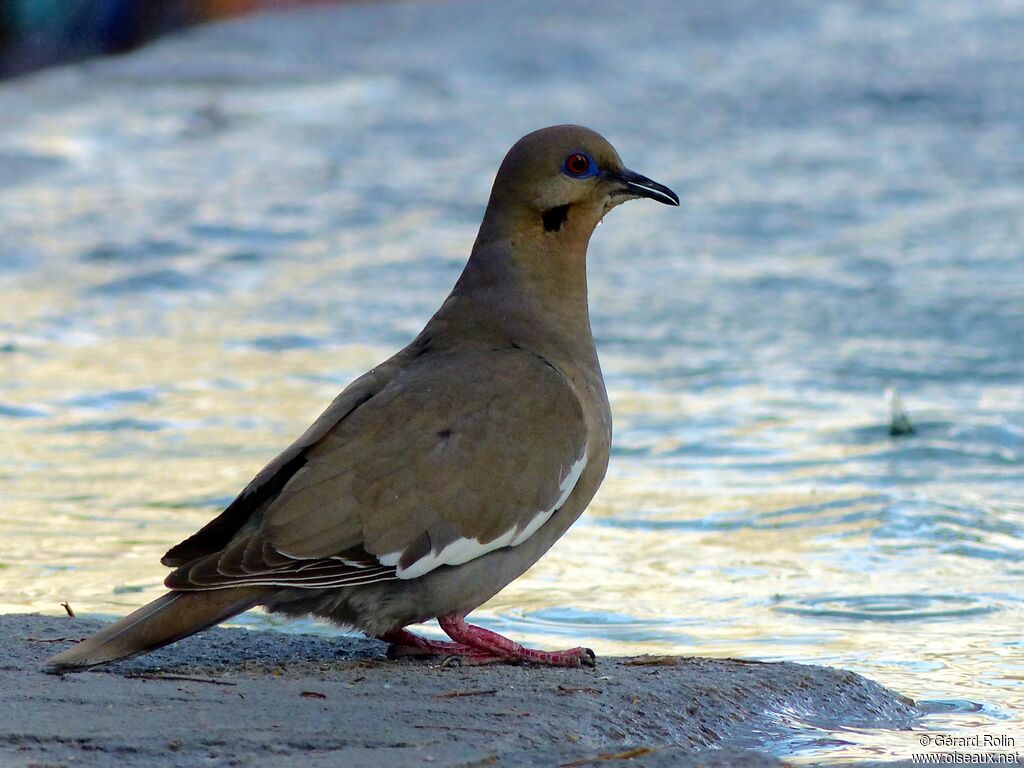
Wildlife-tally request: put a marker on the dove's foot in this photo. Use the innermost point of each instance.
(475, 646)
(484, 641)
(404, 644)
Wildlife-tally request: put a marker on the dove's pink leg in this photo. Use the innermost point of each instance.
(404, 643)
(491, 642)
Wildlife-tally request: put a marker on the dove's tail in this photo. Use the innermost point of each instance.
(161, 622)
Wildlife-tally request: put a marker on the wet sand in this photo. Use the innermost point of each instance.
(240, 697)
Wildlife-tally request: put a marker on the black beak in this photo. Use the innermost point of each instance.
(635, 185)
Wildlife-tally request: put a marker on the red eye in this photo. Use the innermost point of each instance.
(577, 164)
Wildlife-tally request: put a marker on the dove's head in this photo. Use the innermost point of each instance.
(559, 182)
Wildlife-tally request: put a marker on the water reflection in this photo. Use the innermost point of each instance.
(917, 607)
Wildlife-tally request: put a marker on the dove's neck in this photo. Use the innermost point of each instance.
(528, 290)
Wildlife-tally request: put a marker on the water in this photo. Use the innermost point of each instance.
(204, 241)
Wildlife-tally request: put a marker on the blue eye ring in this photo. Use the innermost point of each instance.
(579, 165)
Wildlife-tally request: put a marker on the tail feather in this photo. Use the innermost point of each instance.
(161, 622)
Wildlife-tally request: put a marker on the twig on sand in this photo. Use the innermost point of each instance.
(439, 727)
(489, 760)
(569, 690)
(458, 694)
(186, 678)
(605, 757)
(652, 661)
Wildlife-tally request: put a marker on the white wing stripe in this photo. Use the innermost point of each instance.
(463, 550)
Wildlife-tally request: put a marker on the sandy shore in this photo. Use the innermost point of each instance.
(238, 697)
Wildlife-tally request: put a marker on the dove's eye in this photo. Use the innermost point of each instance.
(579, 165)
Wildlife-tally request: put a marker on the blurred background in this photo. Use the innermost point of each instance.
(41, 33)
(203, 240)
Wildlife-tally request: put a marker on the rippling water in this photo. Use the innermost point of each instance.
(204, 241)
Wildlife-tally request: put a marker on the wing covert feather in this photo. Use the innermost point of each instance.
(274, 476)
(472, 446)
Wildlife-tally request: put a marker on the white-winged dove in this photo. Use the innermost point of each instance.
(444, 473)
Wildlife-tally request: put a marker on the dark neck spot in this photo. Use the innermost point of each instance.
(554, 218)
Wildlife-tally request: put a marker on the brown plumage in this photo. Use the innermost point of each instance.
(444, 473)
